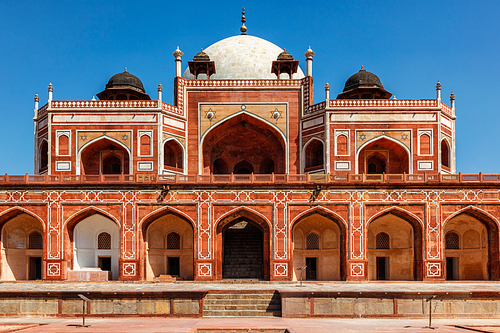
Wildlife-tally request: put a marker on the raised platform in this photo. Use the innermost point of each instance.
(187, 299)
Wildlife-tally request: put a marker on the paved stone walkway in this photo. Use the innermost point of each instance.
(181, 325)
(413, 286)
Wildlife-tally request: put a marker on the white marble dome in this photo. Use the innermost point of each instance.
(243, 57)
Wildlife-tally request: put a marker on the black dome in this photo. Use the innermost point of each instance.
(285, 56)
(125, 80)
(201, 56)
(362, 78)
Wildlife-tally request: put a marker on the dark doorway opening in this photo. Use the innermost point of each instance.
(382, 268)
(173, 265)
(105, 263)
(451, 268)
(312, 268)
(243, 252)
(35, 268)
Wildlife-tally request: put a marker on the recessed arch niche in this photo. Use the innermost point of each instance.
(244, 138)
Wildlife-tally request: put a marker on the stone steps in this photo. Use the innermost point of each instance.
(243, 304)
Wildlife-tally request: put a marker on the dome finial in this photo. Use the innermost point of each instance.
(362, 68)
(125, 69)
(243, 29)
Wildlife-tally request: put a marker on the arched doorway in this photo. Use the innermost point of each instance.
(314, 155)
(471, 247)
(104, 156)
(169, 244)
(383, 156)
(173, 156)
(319, 243)
(243, 144)
(43, 157)
(22, 247)
(92, 243)
(445, 154)
(243, 247)
(394, 247)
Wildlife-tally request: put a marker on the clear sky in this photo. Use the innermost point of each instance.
(410, 45)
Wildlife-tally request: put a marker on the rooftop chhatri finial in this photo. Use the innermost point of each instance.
(243, 29)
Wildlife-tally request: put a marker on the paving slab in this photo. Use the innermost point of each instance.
(117, 286)
(183, 325)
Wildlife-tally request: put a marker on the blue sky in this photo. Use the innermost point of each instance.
(410, 45)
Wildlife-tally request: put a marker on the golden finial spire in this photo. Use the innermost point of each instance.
(243, 29)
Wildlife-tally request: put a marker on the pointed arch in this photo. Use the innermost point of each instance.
(474, 212)
(314, 154)
(383, 136)
(154, 230)
(43, 155)
(492, 228)
(156, 214)
(10, 213)
(178, 161)
(417, 227)
(73, 219)
(256, 140)
(18, 226)
(445, 153)
(336, 256)
(126, 149)
(260, 119)
(404, 153)
(255, 219)
(243, 211)
(321, 211)
(399, 212)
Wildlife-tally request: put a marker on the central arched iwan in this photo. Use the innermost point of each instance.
(244, 144)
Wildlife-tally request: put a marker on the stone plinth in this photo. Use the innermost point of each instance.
(89, 275)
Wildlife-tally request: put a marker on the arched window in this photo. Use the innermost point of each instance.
(312, 241)
(111, 165)
(173, 241)
(445, 154)
(425, 144)
(243, 168)
(44, 156)
(341, 145)
(266, 166)
(35, 241)
(145, 145)
(63, 145)
(172, 155)
(376, 163)
(452, 241)
(220, 167)
(104, 241)
(382, 241)
(314, 155)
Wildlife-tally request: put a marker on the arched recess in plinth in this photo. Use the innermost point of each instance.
(319, 242)
(167, 245)
(22, 245)
(242, 248)
(243, 139)
(395, 246)
(471, 245)
(86, 245)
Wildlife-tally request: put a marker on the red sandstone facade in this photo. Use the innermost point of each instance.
(355, 189)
